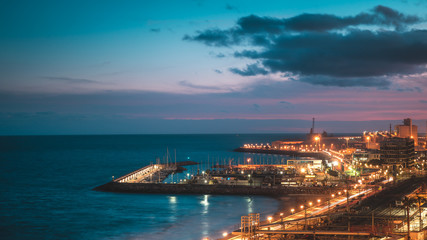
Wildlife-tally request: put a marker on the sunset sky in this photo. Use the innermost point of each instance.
(199, 66)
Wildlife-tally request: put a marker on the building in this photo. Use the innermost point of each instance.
(407, 130)
(309, 163)
(364, 156)
(397, 151)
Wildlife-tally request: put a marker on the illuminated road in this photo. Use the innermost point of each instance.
(276, 224)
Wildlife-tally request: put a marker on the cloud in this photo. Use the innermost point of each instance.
(217, 55)
(380, 16)
(346, 82)
(213, 37)
(71, 80)
(326, 49)
(220, 55)
(423, 101)
(285, 102)
(251, 70)
(230, 7)
(195, 86)
(155, 30)
(217, 71)
(410, 89)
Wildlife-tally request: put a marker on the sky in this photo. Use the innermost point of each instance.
(202, 66)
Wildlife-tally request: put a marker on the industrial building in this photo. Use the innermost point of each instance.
(398, 151)
(407, 130)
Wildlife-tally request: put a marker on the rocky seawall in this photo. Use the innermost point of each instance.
(208, 189)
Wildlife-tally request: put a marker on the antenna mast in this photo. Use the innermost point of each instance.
(312, 127)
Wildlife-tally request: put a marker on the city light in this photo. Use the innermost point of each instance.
(318, 200)
(292, 211)
(302, 206)
(224, 234)
(270, 218)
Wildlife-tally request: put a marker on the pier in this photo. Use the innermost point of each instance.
(152, 172)
(254, 179)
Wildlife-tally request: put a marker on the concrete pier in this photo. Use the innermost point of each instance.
(152, 173)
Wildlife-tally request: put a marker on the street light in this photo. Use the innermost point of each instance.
(224, 234)
(270, 218)
(292, 211)
(318, 200)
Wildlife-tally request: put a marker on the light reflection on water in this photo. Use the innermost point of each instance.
(250, 205)
(199, 216)
(205, 220)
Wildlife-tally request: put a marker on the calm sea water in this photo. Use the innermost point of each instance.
(46, 183)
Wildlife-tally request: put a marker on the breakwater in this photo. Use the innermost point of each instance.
(318, 155)
(156, 172)
(208, 189)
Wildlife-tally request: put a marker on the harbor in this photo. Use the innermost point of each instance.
(334, 181)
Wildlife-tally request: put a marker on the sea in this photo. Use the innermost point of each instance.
(46, 186)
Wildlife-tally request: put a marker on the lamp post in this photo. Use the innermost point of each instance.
(304, 206)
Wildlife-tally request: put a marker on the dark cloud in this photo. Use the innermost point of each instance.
(253, 25)
(251, 70)
(71, 80)
(310, 46)
(217, 71)
(346, 82)
(155, 30)
(285, 102)
(423, 101)
(357, 54)
(256, 107)
(215, 37)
